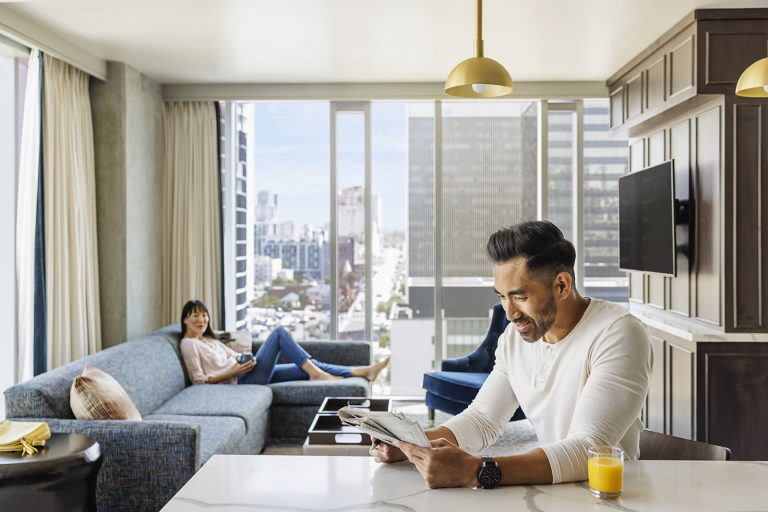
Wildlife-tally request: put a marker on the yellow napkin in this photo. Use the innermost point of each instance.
(23, 436)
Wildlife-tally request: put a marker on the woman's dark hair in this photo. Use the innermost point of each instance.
(190, 307)
(540, 242)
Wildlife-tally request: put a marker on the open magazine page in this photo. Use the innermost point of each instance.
(384, 425)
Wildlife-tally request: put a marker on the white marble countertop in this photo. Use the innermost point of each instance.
(349, 484)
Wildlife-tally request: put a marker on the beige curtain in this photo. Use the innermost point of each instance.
(192, 230)
(71, 260)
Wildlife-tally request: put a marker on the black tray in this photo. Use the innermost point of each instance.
(331, 405)
(328, 429)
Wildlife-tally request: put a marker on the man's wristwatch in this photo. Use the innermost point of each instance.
(489, 475)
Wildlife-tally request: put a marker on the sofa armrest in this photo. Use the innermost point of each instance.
(345, 352)
(145, 463)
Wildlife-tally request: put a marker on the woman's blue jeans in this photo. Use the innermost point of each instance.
(267, 370)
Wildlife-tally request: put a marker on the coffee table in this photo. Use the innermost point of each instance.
(328, 436)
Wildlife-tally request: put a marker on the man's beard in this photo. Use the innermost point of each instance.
(542, 321)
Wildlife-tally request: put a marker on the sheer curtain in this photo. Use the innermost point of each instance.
(26, 217)
(73, 317)
(192, 229)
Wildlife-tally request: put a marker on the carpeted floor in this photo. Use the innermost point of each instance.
(518, 436)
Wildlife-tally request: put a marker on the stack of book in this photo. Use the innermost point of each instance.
(24, 437)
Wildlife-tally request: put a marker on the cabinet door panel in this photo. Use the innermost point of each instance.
(655, 82)
(681, 388)
(680, 151)
(636, 287)
(681, 67)
(708, 166)
(732, 402)
(634, 96)
(616, 103)
(654, 415)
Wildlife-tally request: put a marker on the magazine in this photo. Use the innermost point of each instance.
(384, 425)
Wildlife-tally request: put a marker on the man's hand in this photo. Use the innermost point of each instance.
(383, 452)
(443, 465)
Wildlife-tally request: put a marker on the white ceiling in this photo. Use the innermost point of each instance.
(336, 41)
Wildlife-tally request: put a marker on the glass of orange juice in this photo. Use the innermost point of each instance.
(606, 471)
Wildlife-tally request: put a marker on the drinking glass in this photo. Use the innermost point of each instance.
(606, 471)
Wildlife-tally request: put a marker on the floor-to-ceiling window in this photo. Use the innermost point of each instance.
(605, 159)
(292, 277)
(369, 219)
(488, 181)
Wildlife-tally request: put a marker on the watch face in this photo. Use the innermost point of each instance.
(489, 476)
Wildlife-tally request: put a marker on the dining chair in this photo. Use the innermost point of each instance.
(656, 446)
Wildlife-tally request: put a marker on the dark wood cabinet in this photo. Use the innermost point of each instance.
(703, 54)
(710, 391)
(676, 100)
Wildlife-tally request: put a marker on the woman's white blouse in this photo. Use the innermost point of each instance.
(206, 358)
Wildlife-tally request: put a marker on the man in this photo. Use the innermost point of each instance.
(578, 367)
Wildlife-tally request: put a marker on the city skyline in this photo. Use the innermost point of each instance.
(292, 158)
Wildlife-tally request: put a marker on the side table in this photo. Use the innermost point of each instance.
(60, 477)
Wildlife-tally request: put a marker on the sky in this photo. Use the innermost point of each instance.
(292, 157)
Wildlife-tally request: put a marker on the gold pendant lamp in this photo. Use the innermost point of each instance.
(479, 77)
(753, 82)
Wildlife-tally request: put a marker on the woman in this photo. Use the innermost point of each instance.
(209, 361)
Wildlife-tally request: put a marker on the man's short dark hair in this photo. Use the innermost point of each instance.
(540, 242)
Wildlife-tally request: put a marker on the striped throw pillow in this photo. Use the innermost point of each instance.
(95, 395)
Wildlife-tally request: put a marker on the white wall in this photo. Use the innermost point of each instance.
(413, 351)
(7, 225)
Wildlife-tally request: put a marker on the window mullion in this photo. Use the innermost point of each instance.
(333, 324)
(578, 195)
(368, 227)
(438, 234)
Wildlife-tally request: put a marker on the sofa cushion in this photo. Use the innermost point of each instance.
(305, 392)
(147, 368)
(245, 401)
(218, 434)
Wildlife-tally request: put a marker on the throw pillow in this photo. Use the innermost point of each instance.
(239, 341)
(242, 341)
(96, 395)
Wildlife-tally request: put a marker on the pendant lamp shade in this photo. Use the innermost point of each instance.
(753, 82)
(479, 77)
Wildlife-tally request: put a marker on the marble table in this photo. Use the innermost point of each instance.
(349, 484)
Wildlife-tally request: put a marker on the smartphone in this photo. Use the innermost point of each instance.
(244, 358)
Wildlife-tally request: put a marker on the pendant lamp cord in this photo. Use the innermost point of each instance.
(479, 40)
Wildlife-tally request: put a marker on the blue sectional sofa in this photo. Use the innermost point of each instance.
(146, 462)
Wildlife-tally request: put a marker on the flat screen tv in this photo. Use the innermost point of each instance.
(647, 220)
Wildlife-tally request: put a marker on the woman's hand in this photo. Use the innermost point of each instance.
(244, 368)
(232, 373)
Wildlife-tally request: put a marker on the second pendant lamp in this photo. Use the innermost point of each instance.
(479, 77)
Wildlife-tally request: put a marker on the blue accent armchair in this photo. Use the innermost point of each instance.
(453, 389)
